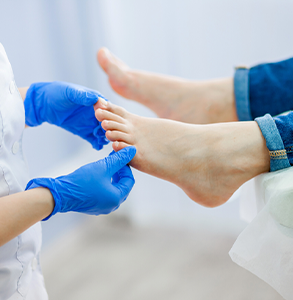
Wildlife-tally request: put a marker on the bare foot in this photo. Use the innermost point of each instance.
(187, 101)
(209, 162)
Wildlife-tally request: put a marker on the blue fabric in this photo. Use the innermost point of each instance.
(241, 91)
(66, 105)
(284, 124)
(274, 142)
(271, 88)
(268, 89)
(97, 188)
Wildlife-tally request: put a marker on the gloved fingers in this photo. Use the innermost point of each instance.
(99, 132)
(98, 144)
(112, 152)
(82, 96)
(122, 173)
(98, 139)
(115, 178)
(125, 183)
(119, 159)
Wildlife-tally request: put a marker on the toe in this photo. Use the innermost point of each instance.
(103, 59)
(102, 103)
(111, 125)
(119, 136)
(116, 71)
(118, 110)
(102, 115)
(117, 146)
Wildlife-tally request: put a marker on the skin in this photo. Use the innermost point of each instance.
(23, 91)
(20, 211)
(209, 162)
(195, 102)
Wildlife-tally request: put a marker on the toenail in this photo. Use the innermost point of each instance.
(103, 102)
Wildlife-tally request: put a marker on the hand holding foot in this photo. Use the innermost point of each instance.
(170, 97)
(209, 162)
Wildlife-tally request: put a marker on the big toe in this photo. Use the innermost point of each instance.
(110, 64)
(116, 70)
(104, 58)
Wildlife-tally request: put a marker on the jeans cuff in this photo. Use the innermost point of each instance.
(274, 142)
(241, 91)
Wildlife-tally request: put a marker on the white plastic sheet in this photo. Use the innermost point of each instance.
(265, 247)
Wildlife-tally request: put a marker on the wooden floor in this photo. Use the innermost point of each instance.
(108, 259)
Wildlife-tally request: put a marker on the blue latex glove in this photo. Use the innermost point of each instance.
(97, 188)
(66, 105)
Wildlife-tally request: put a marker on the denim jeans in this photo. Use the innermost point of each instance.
(266, 90)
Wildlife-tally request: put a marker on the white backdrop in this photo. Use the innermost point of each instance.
(58, 40)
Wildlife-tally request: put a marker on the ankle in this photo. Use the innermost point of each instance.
(218, 95)
(248, 152)
(258, 151)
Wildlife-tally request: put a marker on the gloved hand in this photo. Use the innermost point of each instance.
(66, 105)
(97, 188)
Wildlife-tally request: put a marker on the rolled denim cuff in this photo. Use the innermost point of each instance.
(274, 142)
(241, 92)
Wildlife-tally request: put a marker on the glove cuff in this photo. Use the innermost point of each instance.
(31, 107)
(50, 184)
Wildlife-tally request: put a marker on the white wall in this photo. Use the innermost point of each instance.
(57, 40)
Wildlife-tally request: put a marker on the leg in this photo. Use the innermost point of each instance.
(171, 97)
(209, 162)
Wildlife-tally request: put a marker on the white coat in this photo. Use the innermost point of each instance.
(20, 273)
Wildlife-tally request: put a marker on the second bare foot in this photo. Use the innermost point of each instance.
(173, 98)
